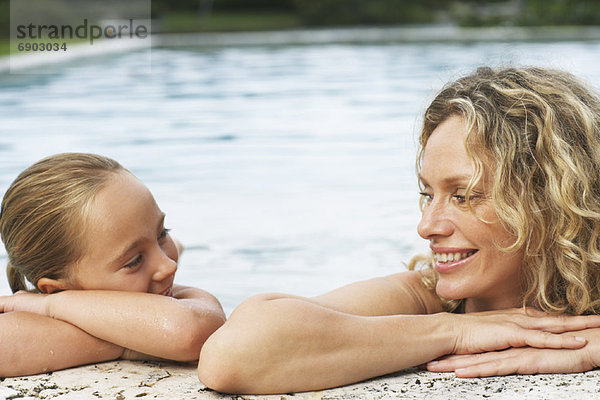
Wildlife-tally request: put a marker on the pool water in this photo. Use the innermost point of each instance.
(282, 168)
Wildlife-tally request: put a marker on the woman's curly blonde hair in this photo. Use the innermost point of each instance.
(537, 131)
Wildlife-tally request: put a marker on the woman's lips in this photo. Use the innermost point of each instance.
(445, 267)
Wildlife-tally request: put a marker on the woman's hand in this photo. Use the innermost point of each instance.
(524, 360)
(535, 349)
(498, 330)
(24, 301)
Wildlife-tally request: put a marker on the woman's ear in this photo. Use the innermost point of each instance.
(47, 285)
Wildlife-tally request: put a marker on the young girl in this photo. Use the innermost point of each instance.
(91, 240)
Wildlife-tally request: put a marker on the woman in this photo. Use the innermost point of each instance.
(510, 182)
(90, 239)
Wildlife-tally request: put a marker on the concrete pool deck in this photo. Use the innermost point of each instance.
(149, 380)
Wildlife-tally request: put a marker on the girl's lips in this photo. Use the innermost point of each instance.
(168, 292)
(450, 266)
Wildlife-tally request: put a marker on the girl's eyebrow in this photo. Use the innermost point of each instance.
(125, 253)
(161, 222)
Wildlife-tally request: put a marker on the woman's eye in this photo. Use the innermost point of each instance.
(461, 199)
(425, 197)
(163, 233)
(134, 263)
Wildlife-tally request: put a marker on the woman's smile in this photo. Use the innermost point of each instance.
(446, 262)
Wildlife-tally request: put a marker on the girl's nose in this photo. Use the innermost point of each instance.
(165, 269)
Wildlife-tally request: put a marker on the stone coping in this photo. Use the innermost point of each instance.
(121, 380)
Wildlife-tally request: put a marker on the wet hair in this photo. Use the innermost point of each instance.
(537, 131)
(43, 213)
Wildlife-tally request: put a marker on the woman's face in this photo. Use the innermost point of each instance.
(465, 248)
(128, 247)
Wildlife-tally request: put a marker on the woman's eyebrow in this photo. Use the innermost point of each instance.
(450, 180)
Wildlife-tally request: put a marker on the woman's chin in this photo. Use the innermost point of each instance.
(449, 291)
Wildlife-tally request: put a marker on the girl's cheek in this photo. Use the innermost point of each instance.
(171, 250)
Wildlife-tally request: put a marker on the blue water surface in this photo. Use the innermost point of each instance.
(286, 168)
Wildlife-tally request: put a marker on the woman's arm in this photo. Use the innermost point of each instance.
(279, 343)
(286, 344)
(32, 344)
(276, 343)
(173, 328)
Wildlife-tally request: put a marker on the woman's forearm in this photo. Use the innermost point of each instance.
(290, 344)
(32, 344)
(156, 325)
(279, 343)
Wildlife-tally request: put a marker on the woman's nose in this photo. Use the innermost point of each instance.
(435, 221)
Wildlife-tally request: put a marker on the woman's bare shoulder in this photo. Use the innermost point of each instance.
(412, 283)
(401, 293)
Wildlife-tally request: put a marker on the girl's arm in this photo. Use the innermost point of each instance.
(280, 343)
(173, 328)
(32, 344)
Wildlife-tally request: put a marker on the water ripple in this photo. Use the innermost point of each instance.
(291, 168)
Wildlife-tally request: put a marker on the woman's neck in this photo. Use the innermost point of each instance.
(478, 305)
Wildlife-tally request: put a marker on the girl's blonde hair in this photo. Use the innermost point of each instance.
(43, 213)
(538, 132)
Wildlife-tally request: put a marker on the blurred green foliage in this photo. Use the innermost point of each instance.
(4, 18)
(231, 15)
(525, 12)
(360, 12)
(561, 12)
(230, 21)
(389, 12)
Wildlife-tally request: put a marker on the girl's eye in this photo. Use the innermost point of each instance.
(134, 263)
(163, 233)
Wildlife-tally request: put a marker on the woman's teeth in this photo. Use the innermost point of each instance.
(451, 257)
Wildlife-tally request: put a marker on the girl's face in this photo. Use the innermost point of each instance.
(465, 248)
(128, 247)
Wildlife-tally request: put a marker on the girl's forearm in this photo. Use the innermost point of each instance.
(288, 344)
(31, 344)
(156, 325)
